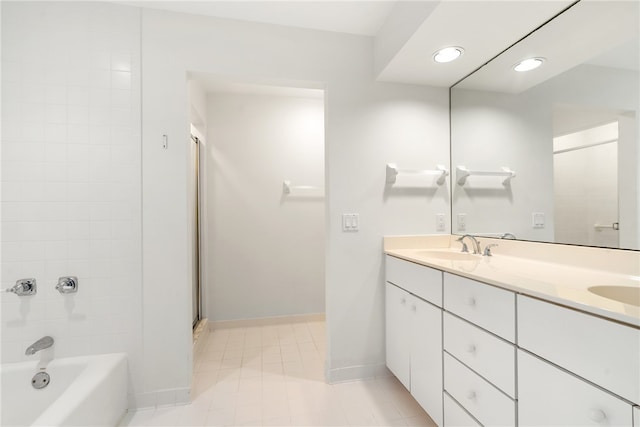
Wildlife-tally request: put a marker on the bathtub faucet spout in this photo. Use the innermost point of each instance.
(41, 344)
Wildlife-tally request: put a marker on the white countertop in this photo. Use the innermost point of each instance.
(563, 278)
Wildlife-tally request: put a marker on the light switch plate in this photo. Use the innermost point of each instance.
(537, 219)
(440, 224)
(462, 222)
(350, 222)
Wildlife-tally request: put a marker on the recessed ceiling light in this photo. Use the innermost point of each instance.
(448, 54)
(528, 64)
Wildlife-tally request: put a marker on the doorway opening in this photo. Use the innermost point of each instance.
(585, 165)
(262, 206)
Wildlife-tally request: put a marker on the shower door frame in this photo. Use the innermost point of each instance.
(197, 282)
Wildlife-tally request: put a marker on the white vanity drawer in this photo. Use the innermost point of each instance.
(486, 354)
(455, 415)
(487, 306)
(601, 351)
(422, 281)
(481, 399)
(548, 396)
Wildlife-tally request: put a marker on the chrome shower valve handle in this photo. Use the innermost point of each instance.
(67, 285)
(23, 287)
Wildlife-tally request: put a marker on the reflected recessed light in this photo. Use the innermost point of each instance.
(528, 64)
(448, 54)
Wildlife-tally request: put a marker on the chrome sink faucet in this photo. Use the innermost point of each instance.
(474, 242)
(41, 344)
(487, 249)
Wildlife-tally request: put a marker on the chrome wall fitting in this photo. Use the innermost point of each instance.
(67, 285)
(41, 344)
(23, 287)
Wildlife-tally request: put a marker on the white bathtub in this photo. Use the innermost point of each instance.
(83, 391)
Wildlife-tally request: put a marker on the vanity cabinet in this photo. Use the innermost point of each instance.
(603, 352)
(398, 341)
(549, 396)
(582, 369)
(456, 416)
(479, 350)
(414, 331)
(489, 307)
(476, 395)
(474, 354)
(484, 353)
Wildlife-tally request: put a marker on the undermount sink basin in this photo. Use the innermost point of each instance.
(449, 255)
(625, 294)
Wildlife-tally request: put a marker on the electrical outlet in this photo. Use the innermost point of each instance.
(462, 222)
(440, 225)
(350, 222)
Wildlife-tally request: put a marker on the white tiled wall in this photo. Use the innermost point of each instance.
(71, 176)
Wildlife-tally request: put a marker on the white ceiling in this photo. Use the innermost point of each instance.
(482, 28)
(354, 17)
(407, 33)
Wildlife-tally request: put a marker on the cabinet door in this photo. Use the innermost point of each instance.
(398, 333)
(636, 416)
(426, 357)
(548, 396)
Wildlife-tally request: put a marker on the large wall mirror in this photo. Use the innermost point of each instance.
(552, 154)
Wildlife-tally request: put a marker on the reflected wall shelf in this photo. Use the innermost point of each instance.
(462, 173)
(288, 188)
(393, 171)
(612, 226)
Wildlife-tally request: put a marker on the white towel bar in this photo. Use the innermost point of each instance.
(462, 173)
(393, 172)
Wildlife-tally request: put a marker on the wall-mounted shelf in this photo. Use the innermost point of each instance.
(287, 188)
(462, 173)
(393, 172)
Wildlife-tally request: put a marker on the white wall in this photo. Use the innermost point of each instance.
(492, 129)
(266, 250)
(368, 124)
(71, 178)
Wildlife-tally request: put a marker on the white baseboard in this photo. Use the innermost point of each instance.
(266, 321)
(354, 373)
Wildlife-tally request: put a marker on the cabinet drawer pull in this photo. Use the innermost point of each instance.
(597, 415)
(413, 307)
(471, 395)
(471, 301)
(471, 348)
(403, 301)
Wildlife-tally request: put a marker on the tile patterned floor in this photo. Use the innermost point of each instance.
(274, 376)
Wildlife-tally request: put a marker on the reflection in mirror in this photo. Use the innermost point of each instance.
(568, 130)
